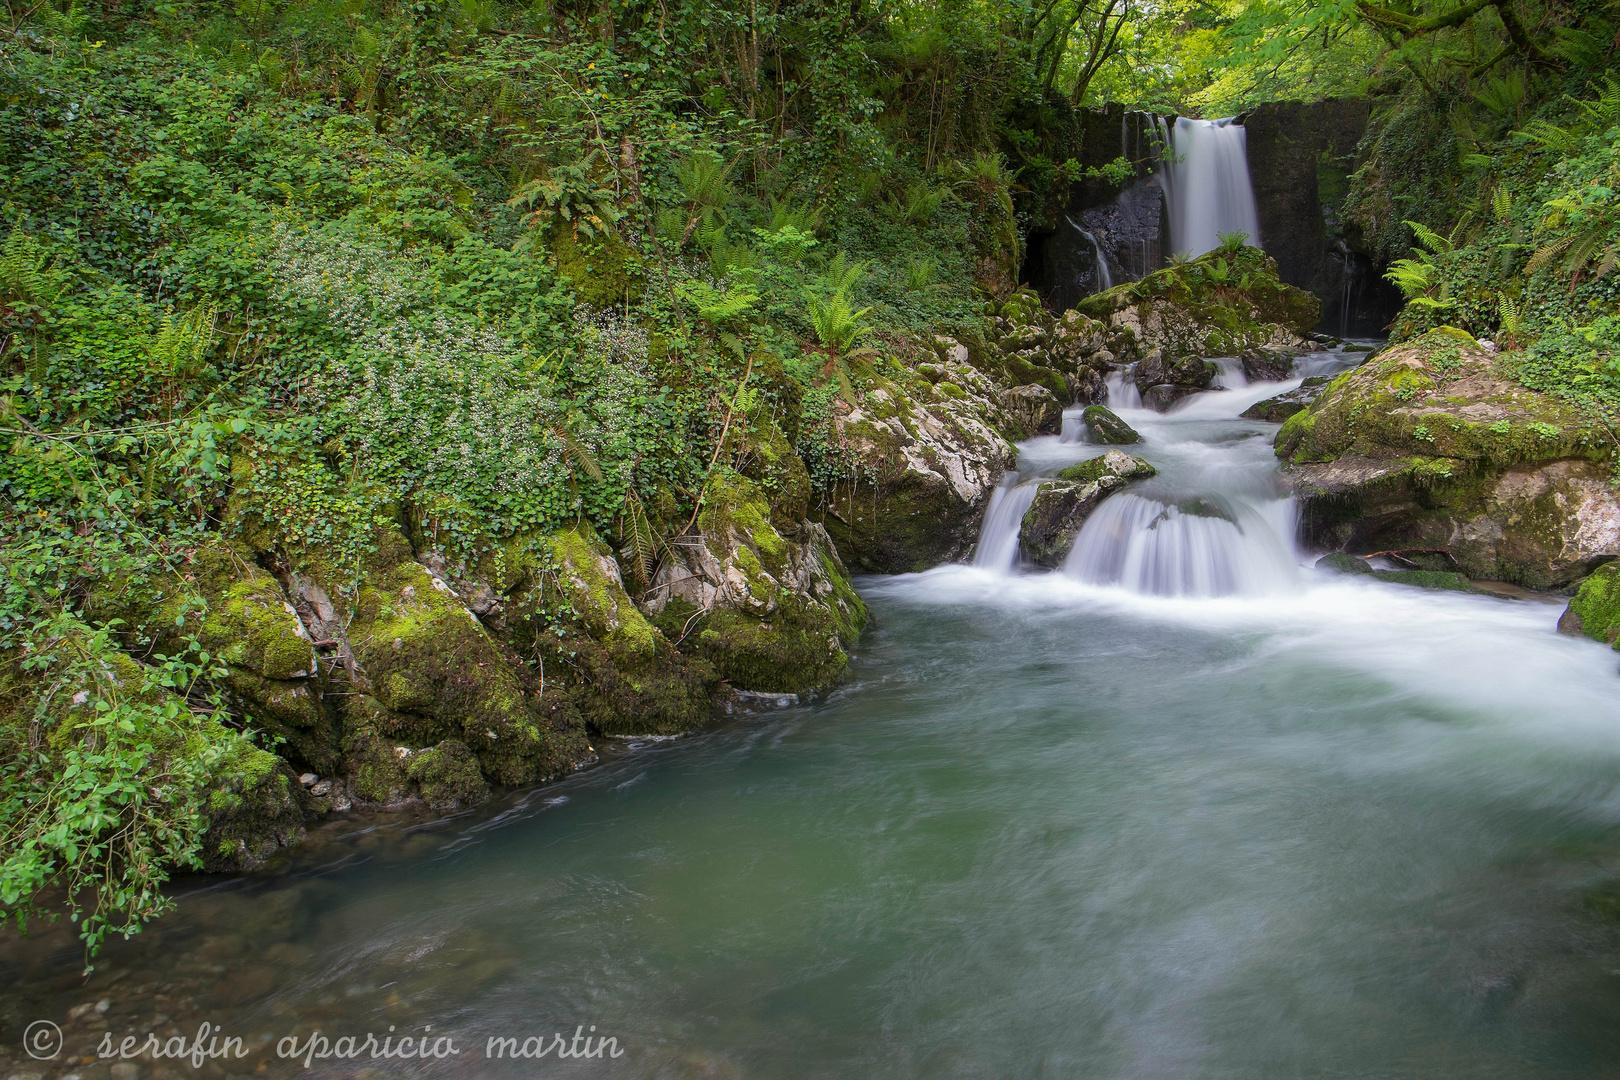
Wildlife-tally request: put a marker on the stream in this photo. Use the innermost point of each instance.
(1187, 807)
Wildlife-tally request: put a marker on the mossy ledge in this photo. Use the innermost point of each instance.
(1433, 446)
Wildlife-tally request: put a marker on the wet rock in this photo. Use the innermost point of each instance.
(1164, 397)
(931, 456)
(1274, 410)
(1595, 608)
(1266, 365)
(1429, 446)
(1062, 505)
(1105, 428)
(1035, 408)
(1344, 563)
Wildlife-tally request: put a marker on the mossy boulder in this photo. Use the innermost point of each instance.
(1219, 304)
(930, 458)
(1061, 506)
(448, 776)
(1431, 446)
(1595, 608)
(1025, 345)
(772, 611)
(624, 675)
(241, 615)
(1342, 563)
(1275, 410)
(1104, 427)
(428, 661)
(1035, 408)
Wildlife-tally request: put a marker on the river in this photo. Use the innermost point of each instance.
(1048, 827)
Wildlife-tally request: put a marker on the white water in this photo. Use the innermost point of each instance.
(1207, 185)
(1213, 523)
(998, 536)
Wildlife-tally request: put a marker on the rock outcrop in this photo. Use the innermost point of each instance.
(1430, 447)
(1595, 608)
(928, 454)
(1062, 505)
(1219, 304)
(1274, 410)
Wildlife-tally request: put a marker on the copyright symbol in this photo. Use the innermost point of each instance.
(43, 1040)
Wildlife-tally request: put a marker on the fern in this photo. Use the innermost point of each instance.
(1508, 312)
(1557, 139)
(1502, 204)
(1429, 238)
(1503, 95)
(29, 280)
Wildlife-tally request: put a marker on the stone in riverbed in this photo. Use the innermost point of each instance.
(1104, 428)
(1345, 563)
(1274, 410)
(1164, 397)
(1595, 608)
(1061, 506)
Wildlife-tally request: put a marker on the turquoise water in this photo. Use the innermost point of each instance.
(1045, 829)
(1042, 831)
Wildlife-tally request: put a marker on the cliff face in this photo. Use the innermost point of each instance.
(1301, 157)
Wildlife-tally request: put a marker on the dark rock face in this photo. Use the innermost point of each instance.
(1267, 365)
(1274, 410)
(1104, 428)
(1301, 156)
(1163, 398)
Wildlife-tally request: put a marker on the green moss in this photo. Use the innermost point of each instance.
(447, 776)
(1597, 604)
(604, 271)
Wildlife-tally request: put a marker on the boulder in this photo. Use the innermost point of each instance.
(1431, 446)
(1343, 563)
(1036, 410)
(1595, 608)
(1105, 428)
(1163, 398)
(1266, 365)
(1274, 410)
(1218, 304)
(1062, 505)
(929, 457)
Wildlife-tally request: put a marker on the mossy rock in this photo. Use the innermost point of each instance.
(256, 809)
(448, 776)
(1104, 427)
(604, 271)
(1595, 608)
(425, 654)
(1113, 463)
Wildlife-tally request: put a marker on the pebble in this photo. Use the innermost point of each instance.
(321, 789)
(308, 779)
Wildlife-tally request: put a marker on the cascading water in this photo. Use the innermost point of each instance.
(1200, 547)
(998, 537)
(1207, 186)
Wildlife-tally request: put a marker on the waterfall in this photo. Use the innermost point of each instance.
(998, 536)
(1122, 391)
(1207, 186)
(1101, 279)
(1205, 547)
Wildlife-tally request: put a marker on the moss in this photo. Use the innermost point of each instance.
(1113, 463)
(1427, 579)
(1597, 604)
(426, 654)
(447, 776)
(256, 809)
(604, 272)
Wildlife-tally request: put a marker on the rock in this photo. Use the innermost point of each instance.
(448, 776)
(1266, 365)
(1164, 397)
(1103, 427)
(1062, 505)
(772, 612)
(1035, 408)
(930, 458)
(434, 672)
(1274, 410)
(1218, 304)
(321, 789)
(308, 779)
(1595, 608)
(1428, 446)
(1342, 563)
(1113, 463)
